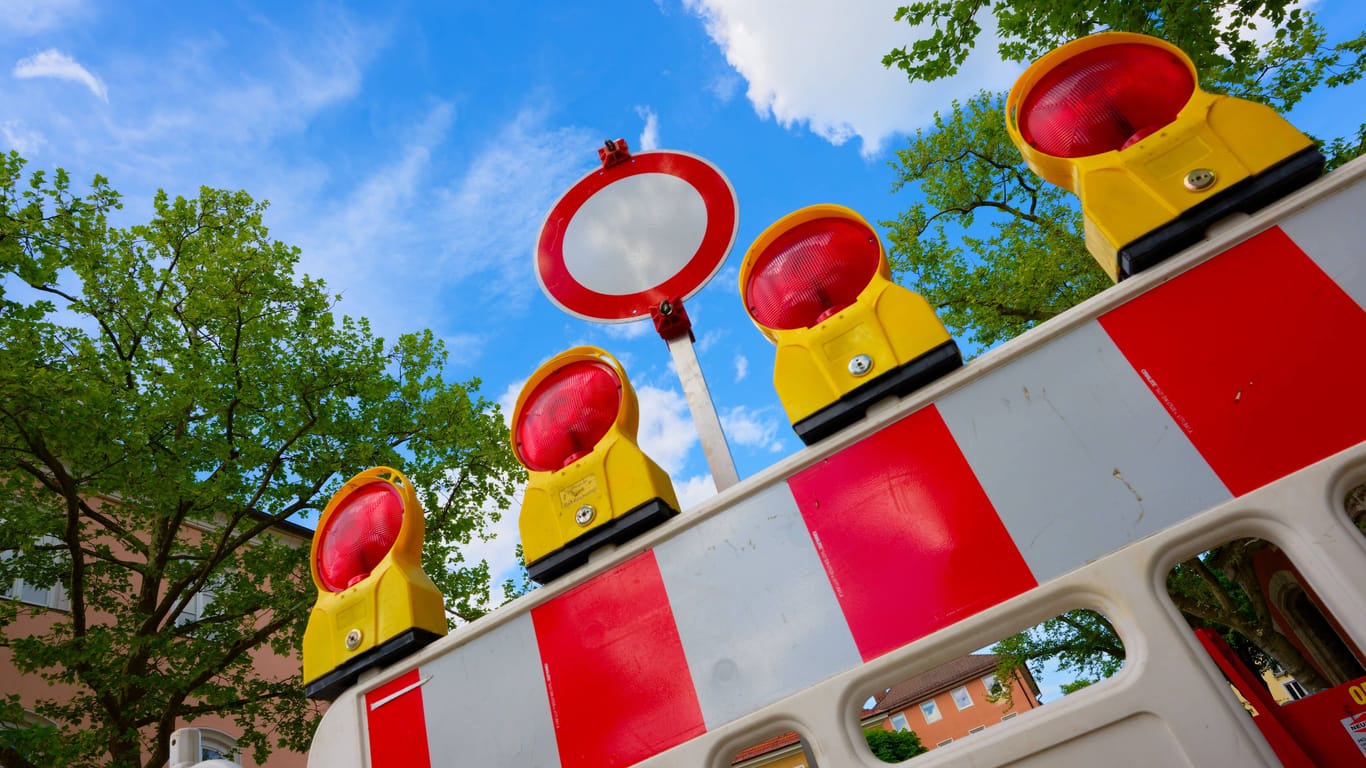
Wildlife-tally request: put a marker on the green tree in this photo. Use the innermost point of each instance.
(1081, 642)
(1076, 685)
(169, 394)
(893, 746)
(1217, 589)
(995, 248)
(1220, 36)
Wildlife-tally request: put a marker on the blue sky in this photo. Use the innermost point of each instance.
(412, 149)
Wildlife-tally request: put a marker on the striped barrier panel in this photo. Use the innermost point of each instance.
(1186, 389)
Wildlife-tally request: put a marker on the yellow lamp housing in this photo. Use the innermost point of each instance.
(818, 285)
(1119, 120)
(375, 604)
(574, 429)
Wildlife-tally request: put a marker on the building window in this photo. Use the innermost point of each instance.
(992, 685)
(11, 738)
(944, 742)
(44, 597)
(196, 607)
(961, 698)
(978, 729)
(931, 711)
(899, 722)
(1007, 717)
(1293, 687)
(193, 745)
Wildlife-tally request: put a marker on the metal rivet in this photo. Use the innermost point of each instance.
(353, 640)
(860, 364)
(1200, 178)
(585, 514)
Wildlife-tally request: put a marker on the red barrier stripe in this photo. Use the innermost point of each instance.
(1254, 354)
(397, 724)
(619, 686)
(907, 536)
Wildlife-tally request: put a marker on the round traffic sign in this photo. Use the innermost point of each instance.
(653, 228)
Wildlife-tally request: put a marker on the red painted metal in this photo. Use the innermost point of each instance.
(671, 320)
(1312, 732)
(1324, 724)
(614, 152)
(1268, 717)
(398, 727)
(909, 539)
(1223, 348)
(619, 686)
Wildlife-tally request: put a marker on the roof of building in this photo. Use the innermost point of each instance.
(926, 684)
(901, 695)
(764, 747)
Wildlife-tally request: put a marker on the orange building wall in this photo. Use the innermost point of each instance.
(31, 688)
(955, 723)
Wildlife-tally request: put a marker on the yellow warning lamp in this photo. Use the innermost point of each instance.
(574, 429)
(818, 285)
(1119, 120)
(375, 605)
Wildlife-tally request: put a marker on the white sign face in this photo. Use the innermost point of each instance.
(635, 234)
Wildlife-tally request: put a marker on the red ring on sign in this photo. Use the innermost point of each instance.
(568, 294)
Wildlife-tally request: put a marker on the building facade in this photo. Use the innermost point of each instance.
(943, 705)
(206, 737)
(953, 701)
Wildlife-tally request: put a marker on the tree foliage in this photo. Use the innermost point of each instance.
(998, 250)
(893, 746)
(1221, 37)
(993, 247)
(1081, 642)
(1217, 589)
(170, 393)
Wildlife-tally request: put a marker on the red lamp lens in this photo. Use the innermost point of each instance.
(358, 535)
(810, 272)
(1105, 99)
(567, 414)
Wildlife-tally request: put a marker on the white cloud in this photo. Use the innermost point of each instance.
(500, 547)
(649, 135)
(373, 225)
(741, 368)
(55, 64)
(667, 434)
(694, 491)
(20, 138)
(491, 216)
(457, 242)
(1263, 32)
(464, 348)
(753, 429)
(30, 17)
(508, 400)
(808, 65)
(725, 86)
(627, 331)
(729, 280)
(709, 339)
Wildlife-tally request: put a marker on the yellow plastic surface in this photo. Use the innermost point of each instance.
(1127, 193)
(613, 479)
(395, 597)
(890, 324)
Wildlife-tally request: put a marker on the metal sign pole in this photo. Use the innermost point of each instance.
(676, 330)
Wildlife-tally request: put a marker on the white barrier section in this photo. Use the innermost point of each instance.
(1215, 396)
